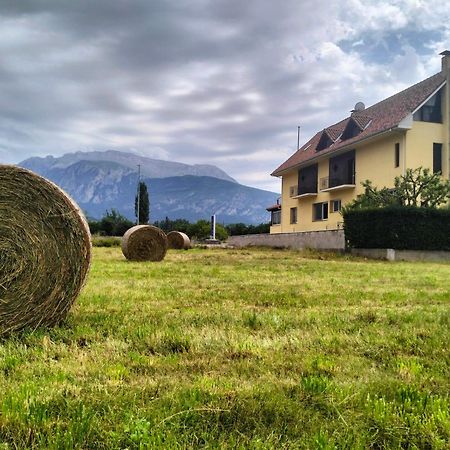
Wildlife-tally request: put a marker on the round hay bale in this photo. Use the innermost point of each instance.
(45, 251)
(178, 240)
(144, 243)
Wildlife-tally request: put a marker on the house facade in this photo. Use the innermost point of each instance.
(407, 130)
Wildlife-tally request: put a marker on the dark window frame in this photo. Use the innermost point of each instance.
(323, 211)
(293, 215)
(308, 180)
(276, 217)
(397, 155)
(332, 204)
(437, 157)
(431, 110)
(351, 130)
(324, 142)
(341, 169)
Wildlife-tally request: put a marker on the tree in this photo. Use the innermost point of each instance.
(418, 187)
(168, 225)
(373, 198)
(234, 229)
(144, 204)
(202, 228)
(111, 224)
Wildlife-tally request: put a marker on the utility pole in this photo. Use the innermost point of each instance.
(298, 137)
(138, 192)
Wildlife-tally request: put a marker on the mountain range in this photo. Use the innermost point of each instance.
(101, 181)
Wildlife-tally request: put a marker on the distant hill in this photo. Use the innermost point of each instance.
(152, 168)
(100, 181)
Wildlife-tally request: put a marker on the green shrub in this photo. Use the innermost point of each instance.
(399, 227)
(106, 241)
(112, 224)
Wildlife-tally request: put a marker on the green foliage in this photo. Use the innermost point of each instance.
(202, 230)
(235, 229)
(421, 187)
(237, 349)
(404, 217)
(144, 204)
(418, 187)
(398, 227)
(106, 241)
(112, 224)
(168, 225)
(373, 198)
(199, 230)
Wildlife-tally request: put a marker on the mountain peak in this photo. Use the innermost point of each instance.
(100, 181)
(150, 167)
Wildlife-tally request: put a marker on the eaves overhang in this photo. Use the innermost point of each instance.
(338, 151)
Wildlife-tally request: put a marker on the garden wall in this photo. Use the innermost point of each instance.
(391, 254)
(321, 240)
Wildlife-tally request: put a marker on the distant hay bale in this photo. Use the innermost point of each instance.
(178, 240)
(45, 251)
(144, 243)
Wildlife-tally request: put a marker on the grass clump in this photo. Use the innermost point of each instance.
(106, 241)
(237, 349)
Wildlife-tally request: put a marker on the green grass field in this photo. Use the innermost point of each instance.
(237, 349)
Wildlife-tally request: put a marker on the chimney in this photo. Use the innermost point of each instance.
(445, 61)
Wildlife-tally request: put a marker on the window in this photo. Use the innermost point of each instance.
(324, 142)
(397, 155)
(307, 180)
(276, 217)
(293, 215)
(342, 169)
(431, 111)
(335, 205)
(437, 158)
(320, 211)
(351, 130)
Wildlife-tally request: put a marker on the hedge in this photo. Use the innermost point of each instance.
(402, 228)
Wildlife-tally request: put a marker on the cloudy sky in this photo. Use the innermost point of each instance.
(224, 82)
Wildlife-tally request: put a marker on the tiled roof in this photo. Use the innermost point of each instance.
(376, 119)
(334, 133)
(273, 207)
(361, 119)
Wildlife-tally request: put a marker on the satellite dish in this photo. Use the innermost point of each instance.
(360, 106)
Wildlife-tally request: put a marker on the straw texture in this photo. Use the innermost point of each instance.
(144, 243)
(178, 240)
(45, 251)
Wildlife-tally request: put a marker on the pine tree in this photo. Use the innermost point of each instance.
(144, 204)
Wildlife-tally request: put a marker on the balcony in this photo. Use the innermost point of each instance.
(306, 190)
(293, 191)
(329, 184)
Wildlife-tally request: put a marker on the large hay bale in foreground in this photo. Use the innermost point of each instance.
(144, 243)
(45, 251)
(178, 240)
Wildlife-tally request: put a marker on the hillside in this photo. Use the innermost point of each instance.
(190, 192)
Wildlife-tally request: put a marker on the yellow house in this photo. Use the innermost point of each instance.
(408, 130)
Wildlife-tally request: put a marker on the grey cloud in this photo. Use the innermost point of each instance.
(204, 81)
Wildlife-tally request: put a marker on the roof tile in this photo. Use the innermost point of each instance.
(378, 118)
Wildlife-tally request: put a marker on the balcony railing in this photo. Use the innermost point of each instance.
(324, 183)
(334, 182)
(307, 189)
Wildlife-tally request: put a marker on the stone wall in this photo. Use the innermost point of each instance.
(321, 240)
(390, 254)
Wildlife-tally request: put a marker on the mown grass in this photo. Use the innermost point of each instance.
(237, 349)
